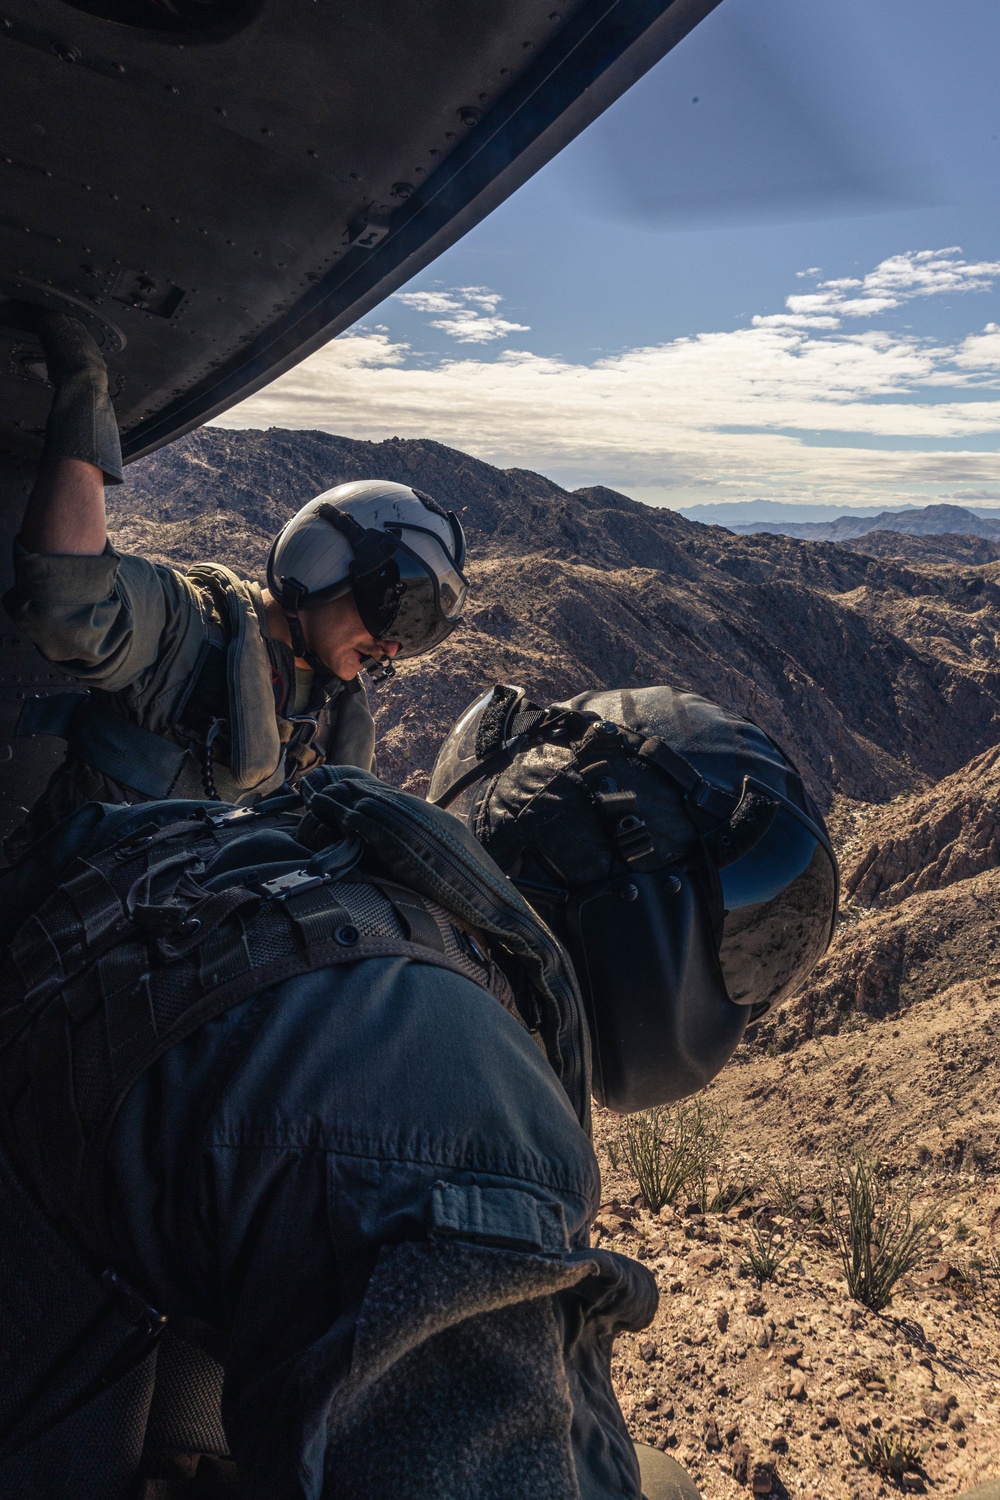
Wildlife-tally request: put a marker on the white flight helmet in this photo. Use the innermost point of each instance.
(392, 547)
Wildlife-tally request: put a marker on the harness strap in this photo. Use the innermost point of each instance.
(716, 802)
(138, 758)
(319, 918)
(418, 923)
(620, 811)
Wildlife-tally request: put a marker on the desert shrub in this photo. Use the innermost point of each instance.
(890, 1454)
(659, 1147)
(716, 1180)
(679, 1148)
(785, 1184)
(766, 1249)
(878, 1234)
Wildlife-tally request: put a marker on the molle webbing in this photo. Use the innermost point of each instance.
(131, 954)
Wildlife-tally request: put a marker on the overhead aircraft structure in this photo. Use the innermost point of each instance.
(216, 188)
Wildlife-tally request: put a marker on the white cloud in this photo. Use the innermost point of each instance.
(429, 302)
(980, 352)
(898, 279)
(469, 327)
(794, 320)
(473, 313)
(794, 406)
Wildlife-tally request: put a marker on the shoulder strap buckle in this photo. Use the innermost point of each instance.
(292, 884)
(231, 815)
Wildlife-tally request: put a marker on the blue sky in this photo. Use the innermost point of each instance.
(771, 271)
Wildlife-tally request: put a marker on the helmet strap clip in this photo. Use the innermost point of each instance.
(379, 669)
(620, 812)
(292, 594)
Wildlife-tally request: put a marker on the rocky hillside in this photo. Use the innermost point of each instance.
(943, 547)
(878, 675)
(790, 1384)
(920, 913)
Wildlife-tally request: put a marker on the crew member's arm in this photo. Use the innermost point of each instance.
(99, 616)
(65, 514)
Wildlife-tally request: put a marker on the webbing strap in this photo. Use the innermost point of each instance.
(36, 958)
(318, 918)
(620, 811)
(95, 900)
(717, 802)
(49, 713)
(111, 744)
(123, 977)
(127, 753)
(418, 923)
(223, 955)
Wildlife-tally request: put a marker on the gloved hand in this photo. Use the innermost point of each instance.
(82, 423)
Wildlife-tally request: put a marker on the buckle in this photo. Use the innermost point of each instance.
(634, 839)
(137, 1310)
(717, 801)
(292, 884)
(233, 815)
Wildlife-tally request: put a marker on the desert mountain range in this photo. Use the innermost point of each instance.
(875, 660)
(879, 675)
(926, 520)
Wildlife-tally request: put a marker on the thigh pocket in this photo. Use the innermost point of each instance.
(459, 1382)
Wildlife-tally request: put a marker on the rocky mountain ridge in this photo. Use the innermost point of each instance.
(879, 675)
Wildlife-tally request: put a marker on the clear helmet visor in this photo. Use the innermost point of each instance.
(779, 900)
(459, 756)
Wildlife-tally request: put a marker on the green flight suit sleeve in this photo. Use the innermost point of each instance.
(352, 740)
(103, 620)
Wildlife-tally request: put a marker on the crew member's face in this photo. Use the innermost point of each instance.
(334, 632)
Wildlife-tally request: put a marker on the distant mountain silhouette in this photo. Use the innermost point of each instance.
(750, 512)
(929, 520)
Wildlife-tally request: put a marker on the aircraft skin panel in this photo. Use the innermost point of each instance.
(219, 203)
(218, 194)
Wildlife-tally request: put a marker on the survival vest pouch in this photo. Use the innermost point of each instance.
(243, 745)
(160, 917)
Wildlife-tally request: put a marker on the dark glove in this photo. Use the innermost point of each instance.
(82, 423)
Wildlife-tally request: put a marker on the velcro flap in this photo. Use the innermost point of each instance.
(498, 1216)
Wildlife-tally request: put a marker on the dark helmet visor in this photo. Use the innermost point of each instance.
(409, 601)
(778, 902)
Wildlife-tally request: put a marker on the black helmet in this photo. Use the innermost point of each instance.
(674, 849)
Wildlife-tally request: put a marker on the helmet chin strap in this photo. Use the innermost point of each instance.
(379, 669)
(299, 647)
(292, 593)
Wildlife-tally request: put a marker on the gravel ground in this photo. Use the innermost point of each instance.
(780, 1387)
